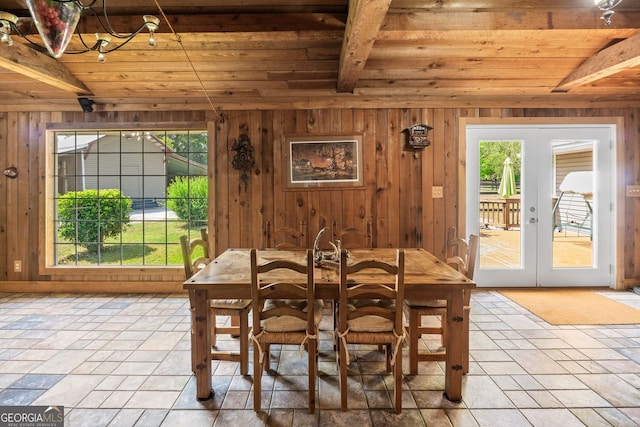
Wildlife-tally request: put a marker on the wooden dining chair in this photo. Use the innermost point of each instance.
(371, 313)
(287, 238)
(195, 254)
(353, 238)
(235, 318)
(291, 319)
(350, 238)
(461, 254)
(438, 307)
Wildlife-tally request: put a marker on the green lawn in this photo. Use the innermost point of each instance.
(161, 246)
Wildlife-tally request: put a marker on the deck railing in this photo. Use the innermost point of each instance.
(500, 213)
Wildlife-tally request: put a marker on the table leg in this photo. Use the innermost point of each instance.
(465, 337)
(455, 346)
(202, 344)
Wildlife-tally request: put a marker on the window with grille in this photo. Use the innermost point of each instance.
(123, 198)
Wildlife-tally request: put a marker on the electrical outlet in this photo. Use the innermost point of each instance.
(436, 192)
(17, 266)
(633, 190)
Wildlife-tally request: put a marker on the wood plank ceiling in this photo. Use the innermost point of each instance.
(262, 54)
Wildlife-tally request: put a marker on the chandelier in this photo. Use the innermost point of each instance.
(56, 21)
(606, 6)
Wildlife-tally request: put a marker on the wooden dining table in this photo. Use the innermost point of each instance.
(426, 277)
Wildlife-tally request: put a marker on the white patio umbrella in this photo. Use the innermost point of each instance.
(508, 182)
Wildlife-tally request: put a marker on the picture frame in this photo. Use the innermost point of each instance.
(323, 161)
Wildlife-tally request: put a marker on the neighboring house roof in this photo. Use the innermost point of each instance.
(571, 146)
(75, 143)
(179, 165)
(176, 164)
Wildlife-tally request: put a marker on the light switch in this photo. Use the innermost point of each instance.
(436, 192)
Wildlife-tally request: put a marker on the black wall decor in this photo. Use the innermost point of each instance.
(243, 159)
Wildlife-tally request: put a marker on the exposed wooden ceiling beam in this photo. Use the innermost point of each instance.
(212, 23)
(609, 61)
(416, 20)
(363, 23)
(40, 66)
(490, 20)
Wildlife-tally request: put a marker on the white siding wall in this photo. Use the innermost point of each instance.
(137, 169)
(573, 213)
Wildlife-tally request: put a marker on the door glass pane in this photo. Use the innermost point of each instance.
(573, 203)
(499, 199)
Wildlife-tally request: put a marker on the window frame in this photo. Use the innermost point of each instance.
(47, 164)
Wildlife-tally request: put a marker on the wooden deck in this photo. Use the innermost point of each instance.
(501, 249)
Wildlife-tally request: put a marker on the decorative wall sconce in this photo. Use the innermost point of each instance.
(243, 159)
(11, 172)
(56, 21)
(606, 6)
(418, 135)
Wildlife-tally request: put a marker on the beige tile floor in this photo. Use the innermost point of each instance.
(123, 360)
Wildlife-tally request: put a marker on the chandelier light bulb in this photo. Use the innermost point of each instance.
(56, 22)
(102, 41)
(6, 39)
(152, 23)
(7, 20)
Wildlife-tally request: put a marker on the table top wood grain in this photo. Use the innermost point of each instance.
(229, 274)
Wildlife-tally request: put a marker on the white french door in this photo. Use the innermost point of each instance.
(557, 228)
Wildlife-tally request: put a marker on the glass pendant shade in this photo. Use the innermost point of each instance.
(56, 22)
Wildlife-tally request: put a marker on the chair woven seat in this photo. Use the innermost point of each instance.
(233, 304)
(436, 303)
(290, 323)
(370, 323)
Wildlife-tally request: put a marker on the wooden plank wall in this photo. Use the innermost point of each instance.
(390, 205)
(396, 202)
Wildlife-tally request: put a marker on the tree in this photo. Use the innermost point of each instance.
(493, 155)
(193, 146)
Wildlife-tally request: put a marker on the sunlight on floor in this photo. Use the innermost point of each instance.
(501, 249)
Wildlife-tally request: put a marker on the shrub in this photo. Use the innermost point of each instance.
(188, 198)
(88, 217)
